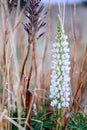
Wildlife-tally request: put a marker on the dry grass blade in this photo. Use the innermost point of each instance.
(46, 46)
(11, 65)
(34, 61)
(24, 63)
(29, 77)
(84, 60)
(81, 82)
(75, 64)
(29, 103)
(13, 122)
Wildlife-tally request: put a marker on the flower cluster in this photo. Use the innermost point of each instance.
(59, 89)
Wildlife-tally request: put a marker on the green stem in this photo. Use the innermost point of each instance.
(59, 121)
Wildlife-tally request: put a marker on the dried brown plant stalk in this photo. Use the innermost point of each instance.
(81, 83)
(33, 11)
(46, 45)
(75, 64)
(29, 77)
(24, 63)
(9, 63)
(34, 61)
(80, 77)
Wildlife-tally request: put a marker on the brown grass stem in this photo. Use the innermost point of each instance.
(29, 111)
(24, 63)
(34, 60)
(47, 41)
(81, 81)
(29, 77)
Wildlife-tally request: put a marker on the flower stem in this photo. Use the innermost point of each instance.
(59, 121)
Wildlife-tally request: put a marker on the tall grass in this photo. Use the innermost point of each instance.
(11, 97)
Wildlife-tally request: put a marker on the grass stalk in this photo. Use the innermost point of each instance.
(46, 43)
(34, 60)
(24, 63)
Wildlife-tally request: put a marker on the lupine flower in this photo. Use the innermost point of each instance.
(59, 88)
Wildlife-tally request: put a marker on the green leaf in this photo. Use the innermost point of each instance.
(78, 121)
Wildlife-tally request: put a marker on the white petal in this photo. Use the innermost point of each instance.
(56, 90)
(51, 96)
(67, 104)
(54, 55)
(67, 88)
(68, 99)
(55, 101)
(59, 105)
(52, 104)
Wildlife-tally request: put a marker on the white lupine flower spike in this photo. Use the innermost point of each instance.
(60, 79)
